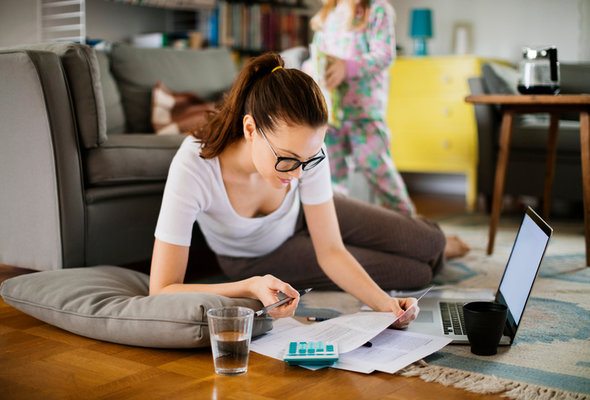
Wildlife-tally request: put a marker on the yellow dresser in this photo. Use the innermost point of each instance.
(433, 129)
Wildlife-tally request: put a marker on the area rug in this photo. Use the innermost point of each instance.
(550, 358)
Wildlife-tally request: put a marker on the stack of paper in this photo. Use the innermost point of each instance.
(391, 349)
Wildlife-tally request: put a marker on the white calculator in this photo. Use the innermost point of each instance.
(311, 353)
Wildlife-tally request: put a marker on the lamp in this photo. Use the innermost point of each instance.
(420, 29)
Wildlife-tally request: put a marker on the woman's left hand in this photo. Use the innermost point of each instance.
(335, 72)
(398, 307)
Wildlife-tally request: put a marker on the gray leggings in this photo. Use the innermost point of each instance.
(397, 251)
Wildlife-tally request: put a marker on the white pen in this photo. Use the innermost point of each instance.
(416, 303)
(280, 302)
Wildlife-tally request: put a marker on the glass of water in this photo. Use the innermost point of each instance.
(230, 329)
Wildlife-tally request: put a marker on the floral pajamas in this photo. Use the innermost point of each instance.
(363, 133)
(367, 141)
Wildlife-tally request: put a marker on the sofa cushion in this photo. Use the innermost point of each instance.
(574, 78)
(131, 159)
(112, 304)
(207, 72)
(531, 135)
(499, 78)
(115, 117)
(178, 112)
(83, 76)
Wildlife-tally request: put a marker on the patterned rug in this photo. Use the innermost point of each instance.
(550, 358)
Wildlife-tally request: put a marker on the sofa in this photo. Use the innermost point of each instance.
(83, 173)
(526, 168)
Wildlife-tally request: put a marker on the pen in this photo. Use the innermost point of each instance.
(317, 319)
(266, 309)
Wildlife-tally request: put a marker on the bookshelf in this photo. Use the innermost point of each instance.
(253, 27)
(247, 27)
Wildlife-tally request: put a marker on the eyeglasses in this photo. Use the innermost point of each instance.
(286, 164)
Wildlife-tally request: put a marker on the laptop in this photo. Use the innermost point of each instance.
(444, 316)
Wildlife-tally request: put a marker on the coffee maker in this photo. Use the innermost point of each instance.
(539, 71)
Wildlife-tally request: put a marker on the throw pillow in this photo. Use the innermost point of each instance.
(177, 112)
(111, 304)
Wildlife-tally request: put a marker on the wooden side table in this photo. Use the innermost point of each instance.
(554, 105)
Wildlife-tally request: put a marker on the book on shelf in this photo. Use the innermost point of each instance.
(174, 4)
(258, 27)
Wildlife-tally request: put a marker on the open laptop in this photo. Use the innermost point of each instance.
(444, 317)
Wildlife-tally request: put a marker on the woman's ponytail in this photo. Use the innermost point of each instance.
(267, 93)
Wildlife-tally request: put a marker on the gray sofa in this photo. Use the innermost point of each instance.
(526, 167)
(82, 174)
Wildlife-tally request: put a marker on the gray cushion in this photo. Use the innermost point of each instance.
(574, 78)
(115, 117)
(111, 304)
(131, 158)
(83, 75)
(500, 79)
(207, 72)
(531, 135)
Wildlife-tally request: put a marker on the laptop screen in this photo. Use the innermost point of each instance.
(527, 253)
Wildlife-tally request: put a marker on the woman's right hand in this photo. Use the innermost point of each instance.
(266, 289)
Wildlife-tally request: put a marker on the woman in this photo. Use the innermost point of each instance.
(257, 180)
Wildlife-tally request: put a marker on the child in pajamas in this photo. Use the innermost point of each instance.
(358, 36)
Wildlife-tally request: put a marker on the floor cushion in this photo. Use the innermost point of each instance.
(111, 304)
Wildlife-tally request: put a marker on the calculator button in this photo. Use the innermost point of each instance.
(311, 351)
(293, 347)
(329, 348)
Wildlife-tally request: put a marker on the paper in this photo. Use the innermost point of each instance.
(393, 350)
(319, 63)
(349, 331)
(273, 343)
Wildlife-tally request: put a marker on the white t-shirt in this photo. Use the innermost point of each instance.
(195, 192)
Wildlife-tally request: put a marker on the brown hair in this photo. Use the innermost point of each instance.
(286, 95)
(359, 14)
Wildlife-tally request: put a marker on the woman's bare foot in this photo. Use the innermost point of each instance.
(455, 247)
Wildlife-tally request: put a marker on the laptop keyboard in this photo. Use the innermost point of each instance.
(452, 318)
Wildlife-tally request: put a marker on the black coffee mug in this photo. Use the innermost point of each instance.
(484, 323)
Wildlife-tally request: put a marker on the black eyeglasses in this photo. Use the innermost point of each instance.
(286, 164)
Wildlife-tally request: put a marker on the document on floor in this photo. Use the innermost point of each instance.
(391, 349)
(349, 331)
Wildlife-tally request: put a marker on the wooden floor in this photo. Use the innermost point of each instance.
(38, 361)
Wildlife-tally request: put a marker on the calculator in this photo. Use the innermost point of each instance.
(311, 353)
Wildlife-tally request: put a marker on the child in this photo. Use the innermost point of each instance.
(359, 40)
(358, 37)
(257, 180)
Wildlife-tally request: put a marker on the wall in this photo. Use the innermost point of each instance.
(18, 22)
(500, 28)
(104, 20)
(115, 21)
